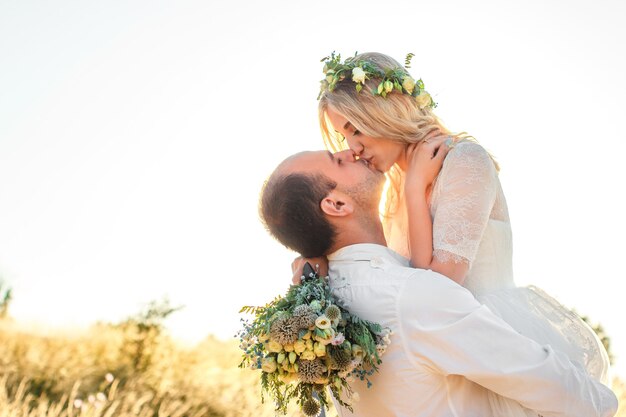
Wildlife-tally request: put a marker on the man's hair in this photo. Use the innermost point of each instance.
(290, 209)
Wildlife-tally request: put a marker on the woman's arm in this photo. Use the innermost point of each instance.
(420, 226)
(421, 238)
(424, 162)
(448, 243)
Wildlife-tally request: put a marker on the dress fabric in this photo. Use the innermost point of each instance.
(471, 225)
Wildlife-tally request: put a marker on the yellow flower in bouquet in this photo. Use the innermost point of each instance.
(308, 355)
(299, 346)
(268, 364)
(274, 346)
(319, 349)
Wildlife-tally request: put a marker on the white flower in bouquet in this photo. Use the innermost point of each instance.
(322, 322)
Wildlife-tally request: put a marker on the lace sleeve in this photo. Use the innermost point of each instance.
(464, 197)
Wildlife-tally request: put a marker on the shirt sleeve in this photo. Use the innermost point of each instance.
(466, 188)
(444, 328)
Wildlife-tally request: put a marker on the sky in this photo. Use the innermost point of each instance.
(135, 137)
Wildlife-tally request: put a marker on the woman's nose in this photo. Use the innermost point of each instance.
(356, 147)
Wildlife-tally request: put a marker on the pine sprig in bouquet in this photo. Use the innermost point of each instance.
(305, 342)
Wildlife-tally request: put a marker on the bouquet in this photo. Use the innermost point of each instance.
(305, 343)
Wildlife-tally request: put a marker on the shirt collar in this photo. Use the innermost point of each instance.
(366, 252)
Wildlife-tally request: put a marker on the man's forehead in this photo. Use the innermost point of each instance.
(306, 161)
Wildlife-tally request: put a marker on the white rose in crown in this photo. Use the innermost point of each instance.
(408, 84)
(358, 75)
(423, 99)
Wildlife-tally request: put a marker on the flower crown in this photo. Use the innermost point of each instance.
(359, 70)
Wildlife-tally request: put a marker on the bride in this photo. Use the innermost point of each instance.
(460, 225)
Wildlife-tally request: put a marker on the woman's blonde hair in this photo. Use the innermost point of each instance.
(397, 118)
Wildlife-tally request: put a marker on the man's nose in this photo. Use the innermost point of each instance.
(346, 156)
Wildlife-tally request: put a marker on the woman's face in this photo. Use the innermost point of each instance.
(381, 153)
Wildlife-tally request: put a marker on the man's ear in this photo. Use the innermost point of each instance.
(337, 204)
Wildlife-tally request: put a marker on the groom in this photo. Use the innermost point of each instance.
(449, 355)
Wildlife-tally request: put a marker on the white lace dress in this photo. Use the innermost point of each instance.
(471, 224)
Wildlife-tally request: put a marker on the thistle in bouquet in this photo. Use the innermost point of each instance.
(305, 342)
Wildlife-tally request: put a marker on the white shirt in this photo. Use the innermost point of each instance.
(447, 350)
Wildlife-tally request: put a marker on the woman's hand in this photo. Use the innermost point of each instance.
(320, 264)
(424, 161)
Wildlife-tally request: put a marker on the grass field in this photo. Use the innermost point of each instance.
(128, 370)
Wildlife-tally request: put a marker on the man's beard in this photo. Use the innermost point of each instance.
(367, 195)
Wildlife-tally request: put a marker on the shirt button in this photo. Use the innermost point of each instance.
(376, 262)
